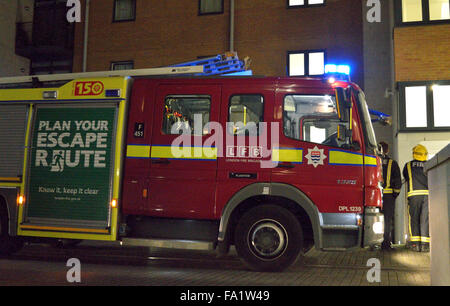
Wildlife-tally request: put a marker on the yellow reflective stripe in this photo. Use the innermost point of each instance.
(10, 179)
(418, 192)
(408, 166)
(338, 157)
(138, 151)
(397, 190)
(370, 160)
(415, 238)
(66, 229)
(388, 176)
(425, 239)
(191, 153)
(287, 155)
(388, 190)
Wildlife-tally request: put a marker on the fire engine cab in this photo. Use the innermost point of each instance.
(269, 165)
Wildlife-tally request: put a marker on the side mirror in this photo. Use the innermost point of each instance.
(343, 104)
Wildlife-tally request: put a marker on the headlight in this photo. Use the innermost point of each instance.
(378, 228)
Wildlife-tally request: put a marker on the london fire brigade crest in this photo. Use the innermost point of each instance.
(315, 157)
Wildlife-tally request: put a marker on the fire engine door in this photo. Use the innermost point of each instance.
(183, 171)
(312, 158)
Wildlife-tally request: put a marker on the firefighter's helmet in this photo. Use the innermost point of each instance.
(420, 153)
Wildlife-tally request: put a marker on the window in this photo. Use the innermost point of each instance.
(311, 118)
(425, 105)
(441, 105)
(126, 65)
(416, 106)
(306, 63)
(206, 7)
(422, 11)
(186, 114)
(245, 114)
(297, 3)
(439, 9)
(124, 10)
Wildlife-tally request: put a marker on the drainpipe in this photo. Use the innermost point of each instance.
(231, 25)
(86, 33)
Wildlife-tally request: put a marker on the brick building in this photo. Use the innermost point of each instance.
(158, 33)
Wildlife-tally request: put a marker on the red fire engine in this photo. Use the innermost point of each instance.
(268, 165)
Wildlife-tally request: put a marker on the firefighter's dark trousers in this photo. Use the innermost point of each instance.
(418, 220)
(388, 211)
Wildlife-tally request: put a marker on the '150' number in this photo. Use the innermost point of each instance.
(88, 88)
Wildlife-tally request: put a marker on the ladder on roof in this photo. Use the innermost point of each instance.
(222, 64)
(226, 64)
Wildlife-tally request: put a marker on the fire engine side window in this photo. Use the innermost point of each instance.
(186, 114)
(245, 114)
(311, 118)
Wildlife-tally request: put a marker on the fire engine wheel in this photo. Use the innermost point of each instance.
(8, 244)
(268, 238)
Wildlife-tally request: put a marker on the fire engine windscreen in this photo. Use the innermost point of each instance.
(311, 118)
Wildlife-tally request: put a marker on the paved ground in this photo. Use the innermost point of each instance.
(113, 265)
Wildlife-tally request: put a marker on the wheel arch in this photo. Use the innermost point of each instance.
(280, 194)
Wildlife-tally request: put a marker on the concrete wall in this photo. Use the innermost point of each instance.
(10, 13)
(438, 170)
(378, 61)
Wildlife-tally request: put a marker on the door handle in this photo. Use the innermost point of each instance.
(161, 161)
(285, 165)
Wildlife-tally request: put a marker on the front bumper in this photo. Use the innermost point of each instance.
(373, 226)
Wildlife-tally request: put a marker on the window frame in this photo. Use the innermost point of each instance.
(210, 13)
(114, 20)
(429, 105)
(185, 96)
(262, 115)
(306, 5)
(121, 63)
(425, 15)
(283, 115)
(306, 63)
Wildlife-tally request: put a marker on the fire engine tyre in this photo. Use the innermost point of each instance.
(8, 244)
(268, 238)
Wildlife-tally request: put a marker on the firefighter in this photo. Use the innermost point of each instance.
(392, 183)
(417, 188)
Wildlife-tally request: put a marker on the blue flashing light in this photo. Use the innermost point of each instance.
(332, 68)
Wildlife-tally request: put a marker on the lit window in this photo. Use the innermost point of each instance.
(439, 9)
(424, 106)
(316, 63)
(124, 10)
(293, 3)
(411, 10)
(210, 7)
(302, 63)
(441, 105)
(416, 106)
(296, 64)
